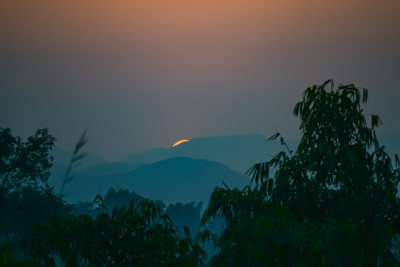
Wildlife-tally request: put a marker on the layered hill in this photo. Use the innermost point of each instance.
(239, 152)
(179, 179)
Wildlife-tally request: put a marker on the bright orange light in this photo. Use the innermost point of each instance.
(180, 142)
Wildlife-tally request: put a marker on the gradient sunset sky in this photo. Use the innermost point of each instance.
(141, 74)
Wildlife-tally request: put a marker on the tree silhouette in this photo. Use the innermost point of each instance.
(138, 234)
(25, 197)
(24, 163)
(330, 203)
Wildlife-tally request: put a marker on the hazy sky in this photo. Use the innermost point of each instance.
(140, 74)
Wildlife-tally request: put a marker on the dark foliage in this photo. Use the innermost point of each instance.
(135, 235)
(113, 199)
(24, 163)
(332, 202)
(20, 210)
(25, 197)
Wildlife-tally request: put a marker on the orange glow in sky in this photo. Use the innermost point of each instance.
(180, 142)
(190, 67)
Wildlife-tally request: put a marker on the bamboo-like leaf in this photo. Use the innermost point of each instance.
(227, 187)
(298, 108)
(396, 160)
(274, 136)
(82, 141)
(365, 95)
(327, 82)
(74, 162)
(375, 121)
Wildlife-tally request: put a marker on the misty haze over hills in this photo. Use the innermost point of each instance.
(239, 152)
(173, 180)
(188, 172)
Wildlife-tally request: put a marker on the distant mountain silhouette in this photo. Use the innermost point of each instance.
(173, 180)
(109, 168)
(239, 152)
(176, 174)
(150, 156)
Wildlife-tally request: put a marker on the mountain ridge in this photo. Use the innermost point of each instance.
(179, 179)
